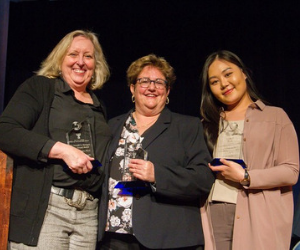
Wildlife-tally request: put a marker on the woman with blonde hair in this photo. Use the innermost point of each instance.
(55, 129)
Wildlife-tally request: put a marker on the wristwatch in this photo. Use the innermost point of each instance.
(246, 180)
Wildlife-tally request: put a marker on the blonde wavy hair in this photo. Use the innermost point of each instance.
(51, 66)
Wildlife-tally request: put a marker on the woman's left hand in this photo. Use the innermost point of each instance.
(229, 170)
(141, 169)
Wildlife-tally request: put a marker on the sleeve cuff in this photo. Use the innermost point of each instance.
(43, 155)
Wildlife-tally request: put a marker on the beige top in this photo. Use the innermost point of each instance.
(229, 146)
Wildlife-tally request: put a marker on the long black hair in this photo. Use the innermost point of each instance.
(210, 107)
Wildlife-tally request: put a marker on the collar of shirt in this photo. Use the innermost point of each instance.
(65, 88)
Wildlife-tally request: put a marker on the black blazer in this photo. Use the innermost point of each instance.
(23, 133)
(170, 216)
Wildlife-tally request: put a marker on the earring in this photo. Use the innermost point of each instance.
(133, 99)
(168, 100)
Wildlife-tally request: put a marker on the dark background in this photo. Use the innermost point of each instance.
(265, 34)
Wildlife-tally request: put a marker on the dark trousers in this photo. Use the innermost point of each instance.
(117, 241)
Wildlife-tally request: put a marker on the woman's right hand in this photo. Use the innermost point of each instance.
(230, 170)
(76, 160)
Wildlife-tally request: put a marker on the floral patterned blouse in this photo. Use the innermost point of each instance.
(119, 217)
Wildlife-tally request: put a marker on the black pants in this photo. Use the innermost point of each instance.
(117, 241)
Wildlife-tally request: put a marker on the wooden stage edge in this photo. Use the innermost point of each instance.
(6, 176)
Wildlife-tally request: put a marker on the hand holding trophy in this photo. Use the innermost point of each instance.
(80, 137)
(133, 150)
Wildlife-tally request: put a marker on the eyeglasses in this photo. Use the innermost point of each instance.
(158, 83)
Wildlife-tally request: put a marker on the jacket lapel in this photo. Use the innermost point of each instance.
(150, 135)
(158, 128)
(116, 129)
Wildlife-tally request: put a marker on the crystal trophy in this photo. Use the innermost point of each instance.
(133, 150)
(80, 136)
(130, 185)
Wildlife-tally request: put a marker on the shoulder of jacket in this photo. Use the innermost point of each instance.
(185, 118)
(40, 81)
(275, 110)
(278, 114)
(118, 118)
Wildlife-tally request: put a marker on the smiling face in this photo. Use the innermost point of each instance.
(79, 63)
(149, 101)
(228, 83)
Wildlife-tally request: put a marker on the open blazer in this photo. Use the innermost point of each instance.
(23, 133)
(168, 217)
(24, 130)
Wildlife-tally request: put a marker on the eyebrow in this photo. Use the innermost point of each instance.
(221, 72)
(226, 69)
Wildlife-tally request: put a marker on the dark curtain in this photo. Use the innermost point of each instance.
(266, 35)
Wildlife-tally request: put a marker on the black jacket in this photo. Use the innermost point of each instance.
(169, 217)
(24, 132)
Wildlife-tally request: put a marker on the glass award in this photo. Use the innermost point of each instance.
(132, 150)
(130, 185)
(80, 136)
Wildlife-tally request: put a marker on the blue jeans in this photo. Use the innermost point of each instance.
(66, 227)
